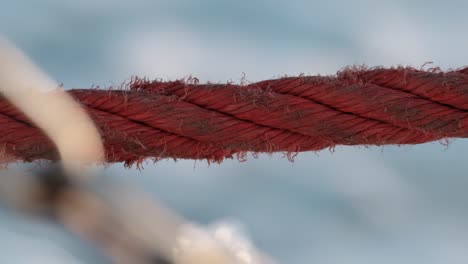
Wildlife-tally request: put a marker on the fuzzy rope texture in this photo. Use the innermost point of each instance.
(189, 120)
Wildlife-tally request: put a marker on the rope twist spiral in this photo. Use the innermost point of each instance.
(189, 120)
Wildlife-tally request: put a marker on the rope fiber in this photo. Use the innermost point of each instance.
(189, 120)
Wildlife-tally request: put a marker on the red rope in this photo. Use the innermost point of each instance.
(180, 119)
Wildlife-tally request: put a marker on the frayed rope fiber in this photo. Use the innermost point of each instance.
(185, 119)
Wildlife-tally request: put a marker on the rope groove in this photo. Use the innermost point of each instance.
(183, 119)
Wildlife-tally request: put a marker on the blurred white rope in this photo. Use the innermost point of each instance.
(50, 108)
(127, 225)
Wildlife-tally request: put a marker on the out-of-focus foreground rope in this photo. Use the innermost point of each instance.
(72, 195)
(185, 119)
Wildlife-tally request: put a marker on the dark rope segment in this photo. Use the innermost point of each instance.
(188, 120)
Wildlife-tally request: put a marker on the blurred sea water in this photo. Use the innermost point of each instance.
(353, 205)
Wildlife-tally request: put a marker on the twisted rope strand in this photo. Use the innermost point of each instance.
(180, 119)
